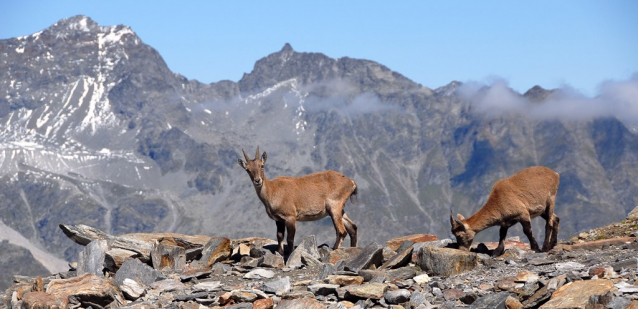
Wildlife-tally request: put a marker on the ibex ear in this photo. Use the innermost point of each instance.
(461, 218)
(241, 163)
(264, 157)
(456, 224)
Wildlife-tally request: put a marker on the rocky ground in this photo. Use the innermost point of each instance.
(595, 269)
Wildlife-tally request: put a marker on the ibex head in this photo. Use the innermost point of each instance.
(464, 235)
(255, 167)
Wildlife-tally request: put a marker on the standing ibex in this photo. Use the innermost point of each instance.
(525, 195)
(307, 198)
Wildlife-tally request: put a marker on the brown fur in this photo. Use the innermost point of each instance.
(519, 198)
(306, 198)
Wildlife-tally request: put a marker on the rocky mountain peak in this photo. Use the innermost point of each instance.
(76, 23)
(537, 93)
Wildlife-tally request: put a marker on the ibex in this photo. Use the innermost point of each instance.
(306, 198)
(519, 198)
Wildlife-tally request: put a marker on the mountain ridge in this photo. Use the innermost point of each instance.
(108, 136)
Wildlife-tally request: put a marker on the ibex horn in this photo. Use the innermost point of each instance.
(257, 153)
(245, 156)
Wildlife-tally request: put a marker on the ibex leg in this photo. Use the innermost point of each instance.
(550, 242)
(291, 228)
(337, 220)
(502, 233)
(351, 228)
(281, 228)
(527, 229)
(551, 225)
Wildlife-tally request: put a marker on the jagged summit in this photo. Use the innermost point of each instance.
(287, 48)
(76, 23)
(537, 93)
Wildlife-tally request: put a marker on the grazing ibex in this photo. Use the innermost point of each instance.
(519, 198)
(306, 198)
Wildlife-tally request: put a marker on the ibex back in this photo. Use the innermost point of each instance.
(307, 198)
(519, 198)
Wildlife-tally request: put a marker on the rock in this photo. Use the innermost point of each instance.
(189, 273)
(217, 249)
(209, 286)
(259, 273)
(342, 254)
(310, 260)
(445, 262)
(240, 306)
(397, 296)
(309, 245)
(297, 294)
(399, 260)
(370, 275)
(300, 303)
(369, 290)
(526, 276)
(87, 289)
(327, 270)
(625, 264)
(305, 254)
(344, 280)
(492, 301)
(243, 296)
(323, 289)
(279, 286)
(164, 255)
(114, 258)
(43, 300)
(601, 244)
(372, 254)
(240, 251)
(417, 298)
(402, 273)
(132, 289)
(452, 294)
(248, 262)
(271, 260)
(266, 303)
(395, 243)
(422, 278)
(601, 272)
(581, 294)
(91, 258)
(567, 266)
(167, 285)
(138, 271)
(633, 214)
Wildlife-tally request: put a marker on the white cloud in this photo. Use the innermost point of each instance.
(616, 98)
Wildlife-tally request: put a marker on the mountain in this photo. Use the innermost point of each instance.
(95, 129)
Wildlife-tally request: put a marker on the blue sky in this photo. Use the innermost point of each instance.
(576, 44)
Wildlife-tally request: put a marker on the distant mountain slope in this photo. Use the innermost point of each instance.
(17, 260)
(95, 129)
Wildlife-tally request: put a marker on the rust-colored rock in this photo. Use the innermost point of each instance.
(39, 299)
(266, 303)
(399, 260)
(370, 290)
(599, 244)
(343, 254)
(114, 258)
(217, 249)
(344, 280)
(87, 287)
(416, 238)
(166, 254)
(577, 294)
(300, 303)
